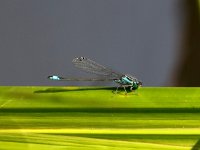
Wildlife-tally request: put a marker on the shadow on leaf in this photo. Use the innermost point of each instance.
(57, 90)
(196, 146)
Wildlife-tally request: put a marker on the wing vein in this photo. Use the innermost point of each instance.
(91, 66)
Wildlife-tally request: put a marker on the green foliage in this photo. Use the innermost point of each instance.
(97, 118)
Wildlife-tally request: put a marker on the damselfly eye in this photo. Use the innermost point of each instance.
(81, 58)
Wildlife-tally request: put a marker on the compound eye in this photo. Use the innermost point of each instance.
(81, 58)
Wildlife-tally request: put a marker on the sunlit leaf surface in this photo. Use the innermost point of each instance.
(77, 118)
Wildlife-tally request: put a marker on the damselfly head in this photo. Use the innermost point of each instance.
(54, 77)
(78, 59)
(134, 86)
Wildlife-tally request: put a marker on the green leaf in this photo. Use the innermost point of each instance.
(97, 118)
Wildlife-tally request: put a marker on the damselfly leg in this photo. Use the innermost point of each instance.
(116, 91)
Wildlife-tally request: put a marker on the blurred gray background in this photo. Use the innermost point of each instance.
(41, 37)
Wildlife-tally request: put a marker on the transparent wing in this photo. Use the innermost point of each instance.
(91, 66)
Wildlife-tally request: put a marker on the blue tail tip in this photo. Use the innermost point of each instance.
(54, 77)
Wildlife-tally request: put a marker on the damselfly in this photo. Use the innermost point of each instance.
(104, 74)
